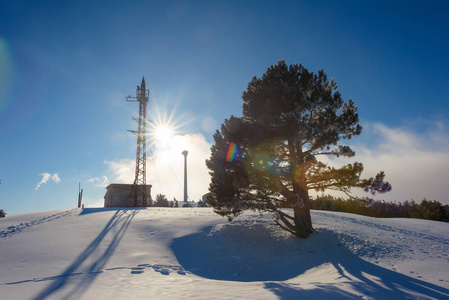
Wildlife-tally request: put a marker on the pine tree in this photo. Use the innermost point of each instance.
(161, 201)
(268, 159)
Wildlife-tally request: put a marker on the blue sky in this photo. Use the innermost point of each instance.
(67, 66)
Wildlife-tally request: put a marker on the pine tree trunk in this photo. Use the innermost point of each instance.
(303, 220)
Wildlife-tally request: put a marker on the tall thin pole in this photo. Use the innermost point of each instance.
(79, 194)
(185, 152)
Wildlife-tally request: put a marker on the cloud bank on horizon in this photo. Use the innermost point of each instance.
(415, 163)
(419, 164)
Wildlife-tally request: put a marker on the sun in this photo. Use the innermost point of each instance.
(163, 128)
(163, 132)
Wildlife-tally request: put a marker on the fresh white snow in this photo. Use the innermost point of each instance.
(192, 253)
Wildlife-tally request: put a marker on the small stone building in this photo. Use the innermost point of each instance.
(117, 195)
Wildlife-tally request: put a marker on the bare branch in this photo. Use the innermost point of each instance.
(285, 228)
(285, 215)
(287, 223)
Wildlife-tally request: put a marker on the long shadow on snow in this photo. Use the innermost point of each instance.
(118, 224)
(235, 255)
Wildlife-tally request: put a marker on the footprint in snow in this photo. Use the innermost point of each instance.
(137, 270)
(162, 271)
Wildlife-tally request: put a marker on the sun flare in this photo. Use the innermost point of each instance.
(163, 132)
(163, 128)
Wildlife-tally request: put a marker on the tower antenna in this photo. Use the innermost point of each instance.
(139, 189)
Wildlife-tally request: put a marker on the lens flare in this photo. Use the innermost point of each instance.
(233, 152)
(6, 73)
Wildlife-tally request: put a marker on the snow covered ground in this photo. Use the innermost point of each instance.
(192, 253)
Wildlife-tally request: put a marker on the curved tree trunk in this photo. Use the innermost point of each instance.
(303, 221)
(302, 218)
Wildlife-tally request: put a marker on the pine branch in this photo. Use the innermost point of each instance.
(287, 223)
(285, 228)
(282, 189)
(274, 209)
(285, 215)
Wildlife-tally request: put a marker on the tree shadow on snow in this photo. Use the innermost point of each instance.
(92, 260)
(252, 253)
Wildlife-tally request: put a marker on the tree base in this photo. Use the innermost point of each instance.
(303, 222)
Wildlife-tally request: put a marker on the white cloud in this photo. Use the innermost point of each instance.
(415, 163)
(56, 178)
(165, 167)
(122, 170)
(46, 177)
(99, 182)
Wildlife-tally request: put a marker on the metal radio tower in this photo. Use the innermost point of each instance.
(139, 188)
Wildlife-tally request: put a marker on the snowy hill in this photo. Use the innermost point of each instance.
(192, 253)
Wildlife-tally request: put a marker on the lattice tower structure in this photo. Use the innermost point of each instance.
(138, 195)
